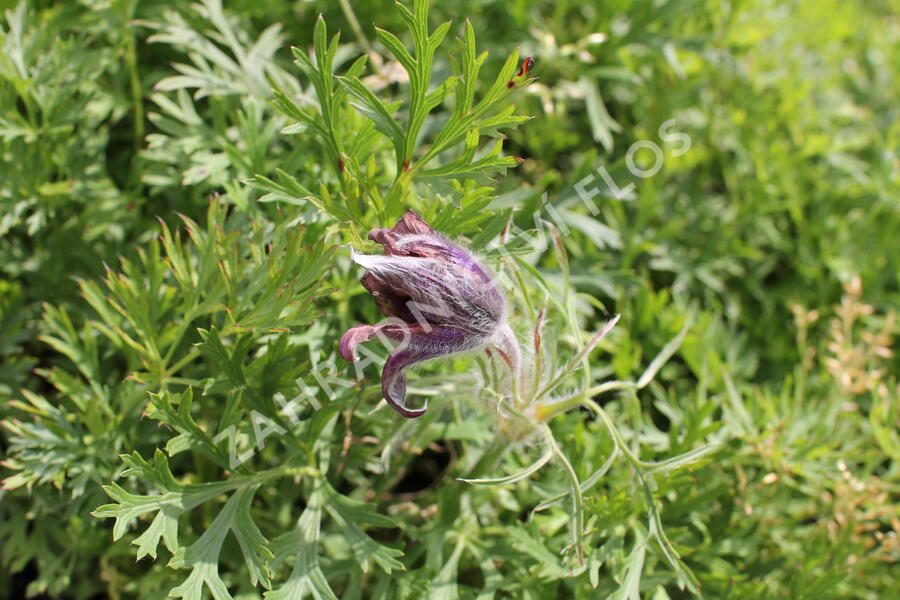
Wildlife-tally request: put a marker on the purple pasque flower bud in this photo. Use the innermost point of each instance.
(438, 299)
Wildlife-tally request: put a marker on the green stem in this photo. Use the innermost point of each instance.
(610, 386)
(181, 361)
(525, 295)
(358, 31)
(137, 96)
(614, 432)
(536, 345)
(577, 500)
(137, 99)
(580, 358)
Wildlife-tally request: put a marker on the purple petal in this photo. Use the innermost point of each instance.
(445, 300)
(442, 292)
(410, 224)
(359, 334)
(412, 236)
(352, 338)
(391, 302)
(466, 261)
(393, 385)
(438, 342)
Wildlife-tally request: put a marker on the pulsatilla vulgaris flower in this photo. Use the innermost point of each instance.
(438, 299)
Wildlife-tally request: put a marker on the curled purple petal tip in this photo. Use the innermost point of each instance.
(352, 338)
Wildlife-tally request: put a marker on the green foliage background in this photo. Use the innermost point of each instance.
(176, 202)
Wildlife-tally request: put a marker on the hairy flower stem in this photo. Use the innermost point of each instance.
(577, 500)
(641, 469)
(580, 358)
(508, 344)
(545, 412)
(614, 432)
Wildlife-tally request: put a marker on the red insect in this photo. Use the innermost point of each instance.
(526, 66)
(527, 63)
